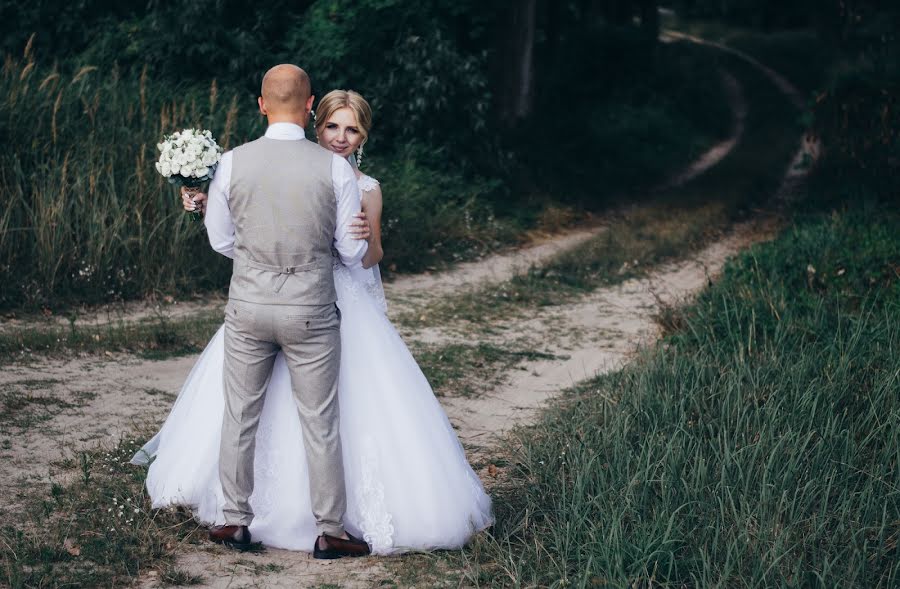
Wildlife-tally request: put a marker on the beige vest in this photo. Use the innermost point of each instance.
(284, 210)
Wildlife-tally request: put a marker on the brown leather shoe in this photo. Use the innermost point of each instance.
(237, 537)
(338, 547)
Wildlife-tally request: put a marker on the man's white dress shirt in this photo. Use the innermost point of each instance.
(220, 227)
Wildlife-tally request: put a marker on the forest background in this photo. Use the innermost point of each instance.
(492, 118)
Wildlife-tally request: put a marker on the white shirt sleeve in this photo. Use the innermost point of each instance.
(346, 191)
(219, 226)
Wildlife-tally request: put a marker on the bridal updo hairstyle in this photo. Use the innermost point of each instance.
(338, 99)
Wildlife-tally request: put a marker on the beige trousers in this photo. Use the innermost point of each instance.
(310, 338)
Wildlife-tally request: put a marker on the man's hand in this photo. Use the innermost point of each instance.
(359, 229)
(192, 200)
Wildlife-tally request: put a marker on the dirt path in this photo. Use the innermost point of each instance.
(601, 333)
(102, 398)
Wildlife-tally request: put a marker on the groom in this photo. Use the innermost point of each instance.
(279, 206)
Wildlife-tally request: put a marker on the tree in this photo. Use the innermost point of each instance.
(515, 62)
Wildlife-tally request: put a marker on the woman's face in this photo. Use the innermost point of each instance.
(341, 132)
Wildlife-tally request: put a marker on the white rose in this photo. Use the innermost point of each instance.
(201, 172)
(165, 169)
(186, 171)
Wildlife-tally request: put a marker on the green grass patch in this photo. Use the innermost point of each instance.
(464, 370)
(758, 446)
(154, 338)
(97, 530)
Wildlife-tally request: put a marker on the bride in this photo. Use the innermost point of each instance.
(409, 485)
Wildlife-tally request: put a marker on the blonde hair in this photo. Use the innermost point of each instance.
(338, 99)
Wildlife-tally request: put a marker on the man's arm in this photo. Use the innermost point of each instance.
(219, 226)
(346, 191)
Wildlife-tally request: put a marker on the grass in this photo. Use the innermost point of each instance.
(153, 338)
(465, 370)
(668, 226)
(94, 528)
(757, 446)
(29, 402)
(258, 568)
(174, 577)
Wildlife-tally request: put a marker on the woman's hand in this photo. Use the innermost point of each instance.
(193, 200)
(359, 229)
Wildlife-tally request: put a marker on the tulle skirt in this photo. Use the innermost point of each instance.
(408, 483)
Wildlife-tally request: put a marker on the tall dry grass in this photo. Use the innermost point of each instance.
(85, 217)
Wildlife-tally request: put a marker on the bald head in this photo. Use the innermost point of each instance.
(286, 89)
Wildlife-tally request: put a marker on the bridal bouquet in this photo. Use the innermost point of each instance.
(188, 158)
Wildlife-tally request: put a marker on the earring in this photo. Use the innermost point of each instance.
(359, 154)
(312, 115)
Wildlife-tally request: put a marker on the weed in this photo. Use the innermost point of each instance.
(469, 370)
(96, 530)
(154, 338)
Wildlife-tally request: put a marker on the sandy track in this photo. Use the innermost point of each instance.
(595, 335)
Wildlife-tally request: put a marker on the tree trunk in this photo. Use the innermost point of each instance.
(650, 19)
(516, 62)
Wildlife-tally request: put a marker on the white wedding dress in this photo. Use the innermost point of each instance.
(409, 485)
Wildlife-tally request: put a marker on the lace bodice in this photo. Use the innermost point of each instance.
(366, 183)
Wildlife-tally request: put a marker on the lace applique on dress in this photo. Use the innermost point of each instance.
(344, 283)
(375, 288)
(366, 183)
(374, 519)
